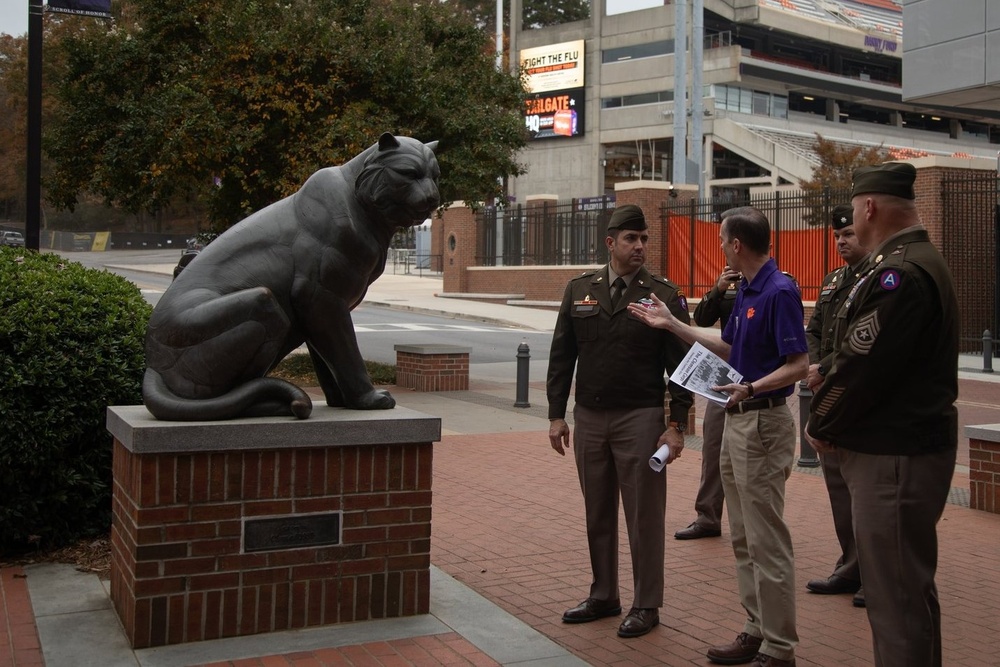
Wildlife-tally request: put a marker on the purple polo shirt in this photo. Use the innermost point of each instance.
(766, 326)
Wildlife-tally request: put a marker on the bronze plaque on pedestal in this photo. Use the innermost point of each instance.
(291, 532)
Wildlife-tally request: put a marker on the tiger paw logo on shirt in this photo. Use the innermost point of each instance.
(750, 313)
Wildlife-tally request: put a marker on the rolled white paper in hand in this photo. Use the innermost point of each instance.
(659, 459)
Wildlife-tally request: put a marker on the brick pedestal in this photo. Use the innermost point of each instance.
(984, 467)
(432, 367)
(192, 500)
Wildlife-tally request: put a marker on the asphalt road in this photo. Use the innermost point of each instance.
(493, 348)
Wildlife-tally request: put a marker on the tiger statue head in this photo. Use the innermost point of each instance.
(398, 180)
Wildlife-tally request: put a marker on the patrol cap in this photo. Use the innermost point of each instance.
(628, 216)
(843, 216)
(890, 178)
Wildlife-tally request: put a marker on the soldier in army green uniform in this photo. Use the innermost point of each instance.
(888, 406)
(846, 577)
(619, 417)
(715, 306)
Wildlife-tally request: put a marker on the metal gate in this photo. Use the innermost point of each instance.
(970, 218)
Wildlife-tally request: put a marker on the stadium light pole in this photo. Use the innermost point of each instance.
(33, 205)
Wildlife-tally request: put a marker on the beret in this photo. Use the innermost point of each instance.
(890, 178)
(628, 216)
(842, 216)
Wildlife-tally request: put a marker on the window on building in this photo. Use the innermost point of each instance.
(635, 100)
(761, 104)
(734, 98)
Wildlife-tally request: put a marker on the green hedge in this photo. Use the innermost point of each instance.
(71, 344)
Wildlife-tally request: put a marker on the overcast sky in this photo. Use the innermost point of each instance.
(14, 16)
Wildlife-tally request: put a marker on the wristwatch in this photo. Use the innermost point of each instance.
(680, 427)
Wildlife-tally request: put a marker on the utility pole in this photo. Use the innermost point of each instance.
(33, 204)
(499, 34)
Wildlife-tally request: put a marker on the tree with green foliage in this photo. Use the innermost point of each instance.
(13, 94)
(832, 178)
(14, 103)
(535, 13)
(237, 103)
(838, 162)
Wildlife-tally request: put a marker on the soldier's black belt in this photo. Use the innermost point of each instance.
(756, 404)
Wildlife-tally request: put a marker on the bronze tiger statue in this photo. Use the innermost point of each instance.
(288, 274)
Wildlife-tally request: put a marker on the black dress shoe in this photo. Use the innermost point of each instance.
(764, 660)
(833, 585)
(743, 650)
(696, 531)
(639, 622)
(591, 610)
(859, 598)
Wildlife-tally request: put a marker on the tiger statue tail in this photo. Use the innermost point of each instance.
(260, 397)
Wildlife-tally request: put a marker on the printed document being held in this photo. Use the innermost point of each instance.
(700, 370)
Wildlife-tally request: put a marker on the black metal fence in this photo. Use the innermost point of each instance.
(568, 234)
(801, 242)
(546, 235)
(970, 244)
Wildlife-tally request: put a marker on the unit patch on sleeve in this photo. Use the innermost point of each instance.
(889, 280)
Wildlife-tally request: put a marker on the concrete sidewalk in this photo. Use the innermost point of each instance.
(509, 555)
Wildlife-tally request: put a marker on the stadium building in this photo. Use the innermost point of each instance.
(772, 74)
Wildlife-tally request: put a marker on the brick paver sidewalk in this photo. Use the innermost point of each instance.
(508, 523)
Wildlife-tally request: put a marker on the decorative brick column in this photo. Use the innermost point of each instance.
(984, 467)
(432, 367)
(224, 529)
(459, 243)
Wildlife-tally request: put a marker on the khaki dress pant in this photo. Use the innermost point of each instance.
(897, 501)
(758, 448)
(612, 450)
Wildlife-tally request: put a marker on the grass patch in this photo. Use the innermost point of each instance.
(298, 369)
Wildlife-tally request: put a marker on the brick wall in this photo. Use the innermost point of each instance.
(536, 283)
(428, 371)
(179, 572)
(984, 475)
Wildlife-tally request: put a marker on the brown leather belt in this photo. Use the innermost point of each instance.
(756, 404)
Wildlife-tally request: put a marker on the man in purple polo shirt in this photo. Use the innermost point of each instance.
(765, 341)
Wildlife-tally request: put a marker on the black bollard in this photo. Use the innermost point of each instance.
(523, 356)
(807, 455)
(987, 352)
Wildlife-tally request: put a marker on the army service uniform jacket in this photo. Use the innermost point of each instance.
(620, 362)
(716, 306)
(894, 380)
(820, 330)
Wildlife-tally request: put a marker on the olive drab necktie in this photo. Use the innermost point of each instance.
(619, 289)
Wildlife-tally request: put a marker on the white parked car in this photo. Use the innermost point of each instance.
(12, 239)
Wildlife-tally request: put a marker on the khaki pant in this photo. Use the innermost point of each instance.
(612, 450)
(897, 501)
(757, 452)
